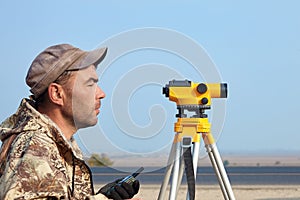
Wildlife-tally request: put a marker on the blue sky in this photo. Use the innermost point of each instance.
(254, 44)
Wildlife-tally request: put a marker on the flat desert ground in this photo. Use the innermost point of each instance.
(213, 192)
(245, 192)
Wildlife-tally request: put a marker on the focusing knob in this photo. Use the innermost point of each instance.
(201, 88)
(166, 91)
(204, 101)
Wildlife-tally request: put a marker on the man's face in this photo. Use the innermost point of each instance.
(83, 104)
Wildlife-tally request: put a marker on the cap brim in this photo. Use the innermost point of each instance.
(89, 58)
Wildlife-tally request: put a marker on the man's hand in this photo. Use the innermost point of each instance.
(119, 191)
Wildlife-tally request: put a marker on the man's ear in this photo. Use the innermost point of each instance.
(56, 92)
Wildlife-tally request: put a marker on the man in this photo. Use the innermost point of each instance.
(39, 158)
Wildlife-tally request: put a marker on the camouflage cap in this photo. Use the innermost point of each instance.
(54, 60)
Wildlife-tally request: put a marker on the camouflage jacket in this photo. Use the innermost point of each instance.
(40, 163)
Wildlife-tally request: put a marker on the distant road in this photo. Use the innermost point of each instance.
(206, 175)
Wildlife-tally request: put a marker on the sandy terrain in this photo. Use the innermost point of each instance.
(213, 192)
(247, 160)
(291, 192)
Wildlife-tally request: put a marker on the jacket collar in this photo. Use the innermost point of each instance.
(27, 118)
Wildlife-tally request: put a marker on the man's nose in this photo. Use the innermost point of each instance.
(100, 93)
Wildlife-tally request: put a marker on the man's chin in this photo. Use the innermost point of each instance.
(87, 124)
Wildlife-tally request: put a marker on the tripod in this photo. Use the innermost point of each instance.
(188, 135)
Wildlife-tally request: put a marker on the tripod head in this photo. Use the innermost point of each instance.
(192, 96)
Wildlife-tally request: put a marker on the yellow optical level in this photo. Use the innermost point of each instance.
(192, 100)
(185, 92)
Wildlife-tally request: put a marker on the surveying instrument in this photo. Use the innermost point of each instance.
(193, 98)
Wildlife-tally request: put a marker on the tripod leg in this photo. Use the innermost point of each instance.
(223, 173)
(217, 163)
(169, 167)
(217, 172)
(173, 188)
(180, 174)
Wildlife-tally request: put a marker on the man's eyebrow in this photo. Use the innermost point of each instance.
(91, 79)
